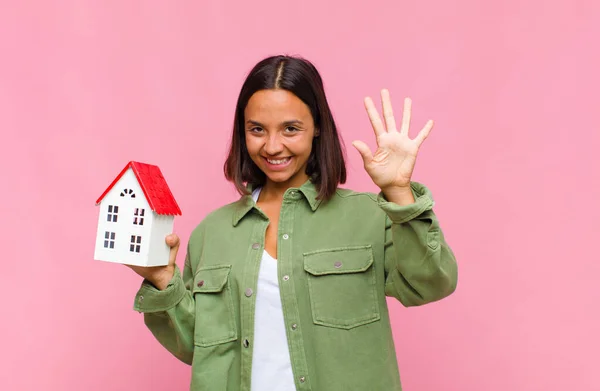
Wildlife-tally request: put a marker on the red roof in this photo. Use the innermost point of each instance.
(153, 185)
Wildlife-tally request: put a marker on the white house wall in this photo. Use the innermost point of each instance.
(159, 250)
(124, 227)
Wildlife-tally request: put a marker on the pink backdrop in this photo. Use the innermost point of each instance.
(513, 164)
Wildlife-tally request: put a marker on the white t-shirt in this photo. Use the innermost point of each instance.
(271, 366)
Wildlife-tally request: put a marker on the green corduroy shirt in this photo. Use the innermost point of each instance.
(337, 261)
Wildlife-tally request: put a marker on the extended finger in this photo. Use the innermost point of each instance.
(424, 133)
(406, 116)
(388, 113)
(378, 127)
(364, 151)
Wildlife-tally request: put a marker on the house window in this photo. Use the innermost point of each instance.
(135, 244)
(109, 239)
(138, 216)
(112, 213)
(128, 192)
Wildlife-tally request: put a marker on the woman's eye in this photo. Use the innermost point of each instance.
(256, 129)
(291, 129)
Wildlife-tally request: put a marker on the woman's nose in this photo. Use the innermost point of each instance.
(273, 146)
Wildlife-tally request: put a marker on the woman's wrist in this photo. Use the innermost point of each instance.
(399, 195)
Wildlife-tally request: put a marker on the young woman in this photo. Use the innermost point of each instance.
(285, 289)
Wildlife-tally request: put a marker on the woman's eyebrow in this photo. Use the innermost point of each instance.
(286, 123)
(292, 122)
(252, 122)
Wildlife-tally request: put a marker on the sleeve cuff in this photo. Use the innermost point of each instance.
(401, 214)
(150, 299)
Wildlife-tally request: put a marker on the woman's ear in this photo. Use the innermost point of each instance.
(317, 132)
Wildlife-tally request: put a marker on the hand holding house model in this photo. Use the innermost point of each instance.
(136, 214)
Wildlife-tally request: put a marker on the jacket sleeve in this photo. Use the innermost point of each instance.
(170, 313)
(420, 266)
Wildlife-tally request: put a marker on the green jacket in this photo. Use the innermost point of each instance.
(337, 261)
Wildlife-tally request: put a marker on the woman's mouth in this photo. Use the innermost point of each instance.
(275, 164)
(278, 161)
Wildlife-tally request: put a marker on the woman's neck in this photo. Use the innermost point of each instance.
(272, 191)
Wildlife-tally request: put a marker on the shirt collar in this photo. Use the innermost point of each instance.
(245, 204)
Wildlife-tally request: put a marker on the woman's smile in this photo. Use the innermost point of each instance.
(278, 164)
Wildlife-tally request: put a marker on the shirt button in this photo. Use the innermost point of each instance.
(286, 277)
(248, 292)
(256, 246)
(337, 265)
(294, 326)
(141, 298)
(246, 343)
(200, 283)
(302, 379)
(286, 236)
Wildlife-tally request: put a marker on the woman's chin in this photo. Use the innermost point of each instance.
(278, 177)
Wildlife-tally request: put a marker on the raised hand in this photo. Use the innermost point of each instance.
(392, 165)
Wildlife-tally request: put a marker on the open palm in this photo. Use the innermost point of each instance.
(394, 160)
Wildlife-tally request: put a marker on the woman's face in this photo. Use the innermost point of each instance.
(279, 133)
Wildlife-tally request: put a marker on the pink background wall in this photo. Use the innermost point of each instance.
(513, 164)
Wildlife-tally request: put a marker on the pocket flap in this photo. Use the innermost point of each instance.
(338, 261)
(211, 279)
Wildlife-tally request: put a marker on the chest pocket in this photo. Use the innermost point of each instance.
(342, 287)
(215, 316)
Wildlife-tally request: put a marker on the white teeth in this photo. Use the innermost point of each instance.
(281, 161)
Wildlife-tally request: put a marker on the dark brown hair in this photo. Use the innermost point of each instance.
(326, 166)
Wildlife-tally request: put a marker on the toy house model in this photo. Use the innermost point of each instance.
(136, 214)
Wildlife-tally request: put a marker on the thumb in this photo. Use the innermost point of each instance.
(173, 242)
(364, 151)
